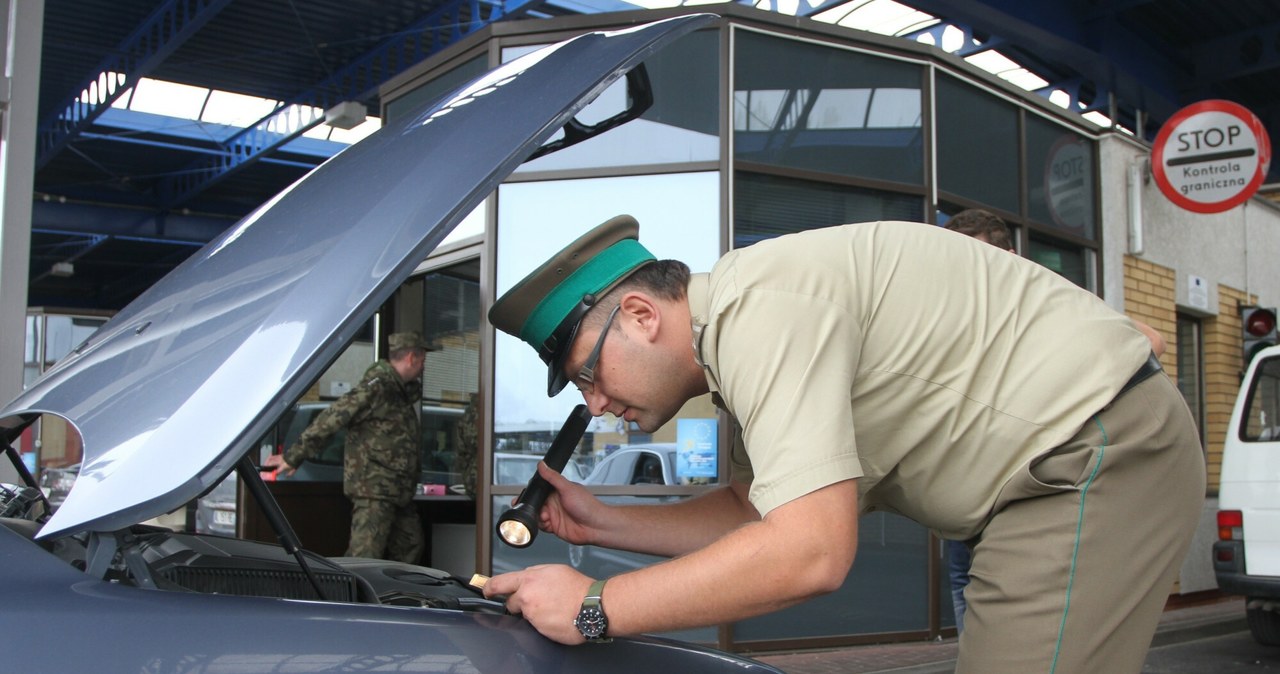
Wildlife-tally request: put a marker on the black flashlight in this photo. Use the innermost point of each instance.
(518, 527)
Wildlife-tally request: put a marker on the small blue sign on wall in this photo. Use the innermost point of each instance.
(697, 445)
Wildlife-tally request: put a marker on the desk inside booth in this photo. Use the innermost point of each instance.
(313, 502)
(321, 518)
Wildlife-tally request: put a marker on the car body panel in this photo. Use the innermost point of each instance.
(158, 631)
(175, 388)
(173, 391)
(1250, 475)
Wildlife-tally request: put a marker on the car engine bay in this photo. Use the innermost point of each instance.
(158, 558)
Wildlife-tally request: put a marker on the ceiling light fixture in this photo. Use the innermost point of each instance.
(346, 115)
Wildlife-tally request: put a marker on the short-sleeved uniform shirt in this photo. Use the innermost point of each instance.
(927, 364)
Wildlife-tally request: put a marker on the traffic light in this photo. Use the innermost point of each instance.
(1259, 330)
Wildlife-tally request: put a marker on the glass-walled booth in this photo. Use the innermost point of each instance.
(760, 126)
(440, 301)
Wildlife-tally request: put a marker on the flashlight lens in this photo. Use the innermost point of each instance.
(514, 533)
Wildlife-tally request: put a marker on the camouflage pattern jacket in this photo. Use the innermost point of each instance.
(467, 442)
(381, 456)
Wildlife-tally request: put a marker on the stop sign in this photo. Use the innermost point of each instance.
(1211, 156)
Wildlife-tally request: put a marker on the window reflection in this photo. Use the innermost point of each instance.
(977, 137)
(1067, 260)
(681, 126)
(1060, 177)
(822, 108)
(883, 593)
(769, 109)
(767, 206)
(679, 218)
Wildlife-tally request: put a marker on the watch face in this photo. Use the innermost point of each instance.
(591, 622)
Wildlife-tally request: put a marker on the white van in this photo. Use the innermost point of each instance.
(1246, 556)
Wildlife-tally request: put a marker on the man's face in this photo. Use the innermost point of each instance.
(411, 364)
(626, 374)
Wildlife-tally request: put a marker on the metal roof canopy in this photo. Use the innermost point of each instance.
(125, 197)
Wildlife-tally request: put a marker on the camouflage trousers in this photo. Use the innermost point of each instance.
(384, 530)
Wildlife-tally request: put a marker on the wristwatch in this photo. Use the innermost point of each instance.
(591, 621)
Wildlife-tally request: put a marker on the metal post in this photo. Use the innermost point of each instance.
(23, 33)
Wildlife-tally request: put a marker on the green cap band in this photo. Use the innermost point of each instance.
(592, 277)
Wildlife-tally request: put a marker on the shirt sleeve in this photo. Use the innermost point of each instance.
(341, 414)
(786, 369)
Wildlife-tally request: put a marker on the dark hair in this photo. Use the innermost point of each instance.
(665, 279)
(983, 225)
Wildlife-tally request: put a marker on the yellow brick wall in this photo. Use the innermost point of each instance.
(1150, 295)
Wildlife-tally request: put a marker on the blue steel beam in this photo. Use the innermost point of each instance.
(355, 82)
(142, 224)
(1085, 37)
(170, 25)
(971, 45)
(192, 149)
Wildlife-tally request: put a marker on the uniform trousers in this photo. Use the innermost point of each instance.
(1073, 569)
(381, 529)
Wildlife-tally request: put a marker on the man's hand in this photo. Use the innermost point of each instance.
(548, 596)
(570, 512)
(277, 462)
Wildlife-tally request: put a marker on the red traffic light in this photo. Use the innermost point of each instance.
(1260, 322)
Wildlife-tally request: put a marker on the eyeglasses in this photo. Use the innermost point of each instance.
(586, 378)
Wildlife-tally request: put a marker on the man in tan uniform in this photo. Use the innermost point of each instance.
(880, 366)
(987, 227)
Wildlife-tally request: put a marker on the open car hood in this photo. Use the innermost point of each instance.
(174, 389)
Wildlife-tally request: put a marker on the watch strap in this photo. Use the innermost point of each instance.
(592, 622)
(594, 593)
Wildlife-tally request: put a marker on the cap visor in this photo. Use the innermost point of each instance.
(556, 378)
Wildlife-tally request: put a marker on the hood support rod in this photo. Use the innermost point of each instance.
(275, 517)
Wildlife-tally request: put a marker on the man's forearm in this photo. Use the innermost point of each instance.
(755, 569)
(307, 446)
(671, 529)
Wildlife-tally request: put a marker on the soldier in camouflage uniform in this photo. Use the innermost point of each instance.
(381, 462)
(467, 440)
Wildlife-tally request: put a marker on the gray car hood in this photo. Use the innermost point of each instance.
(170, 393)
